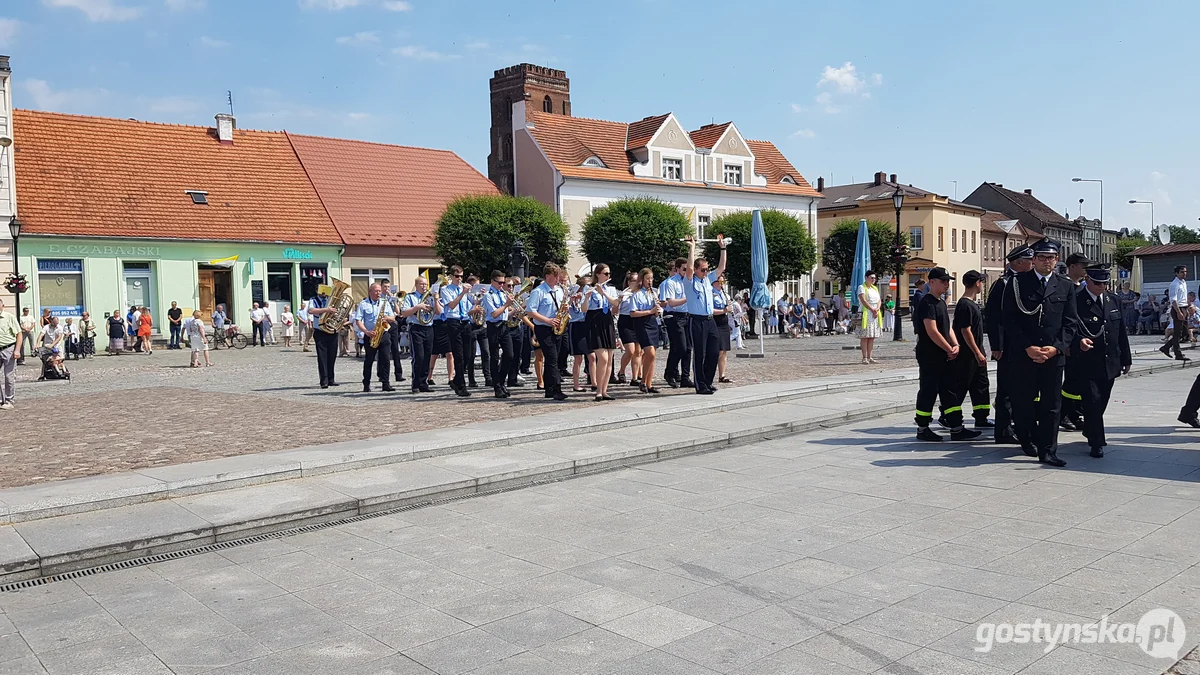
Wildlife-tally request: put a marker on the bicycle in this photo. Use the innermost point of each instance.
(231, 338)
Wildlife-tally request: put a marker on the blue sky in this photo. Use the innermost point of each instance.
(1027, 94)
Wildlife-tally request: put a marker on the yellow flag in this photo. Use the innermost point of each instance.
(692, 215)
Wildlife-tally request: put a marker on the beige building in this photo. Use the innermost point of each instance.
(942, 232)
(999, 234)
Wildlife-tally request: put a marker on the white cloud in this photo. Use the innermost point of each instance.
(397, 5)
(8, 31)
(797, 108)
(478, 45)
(212, 43)
(845, 80)
(876, 79)
(360, 38)
(825, 101)
(422, 54)
(331, 5)
(185, 5)
(99, 10)
(806, 134)
(842, 84)
(358, 116)
(46, 98)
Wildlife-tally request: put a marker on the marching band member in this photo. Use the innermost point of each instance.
(542, 307)
(632, 351)
(478, 337)
(420, 331)
(441, 336)
(458, 328)
(326, 343)
(698, 287)
(389, 294)
(602, 339)
(367, 317)
(577, 332)
(644, 312)
(1100, 355)
(676, 320)
(1020, 259)
(722, 308)
(496, 303)
(519, 341)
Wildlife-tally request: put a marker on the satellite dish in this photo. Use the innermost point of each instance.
(1164, 235)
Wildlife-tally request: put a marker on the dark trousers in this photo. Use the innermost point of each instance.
(706, 349)
(1192, 405)
(479, 339)
(967, 378)
(1003, 400)
(258, 336)
(327, 351)
(381, 356)
(420, 340)
(979, 388)
(520, 346)
(564, 353)
(394, 336)
(935, 382)
(1037, 402)
(552, 346)
(526, 348)
(176, 331)
(681, 346)
(500, 349)
(1172, 345)
(1095, 394)
(460, 334)
(1072, 397)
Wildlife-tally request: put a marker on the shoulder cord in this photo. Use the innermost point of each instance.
(1021, 304)
(1103, 321)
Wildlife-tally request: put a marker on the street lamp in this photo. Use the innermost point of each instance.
(1141, 201)
(898, 202)
(14, 229)
(1101, 182)
(518, 262)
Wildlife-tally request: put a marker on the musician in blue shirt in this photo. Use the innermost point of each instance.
(677, 322)
(496, 303)
(389, 295)
(327, 343)
(451, 298)
(542, 308)
(417, 309)
(476, 334)
(645, 321)
(698, 286)
(577, 332)
(601, 302)
(375, 313)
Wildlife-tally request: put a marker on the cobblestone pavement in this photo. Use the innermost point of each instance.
(134, 411)
(851, 550)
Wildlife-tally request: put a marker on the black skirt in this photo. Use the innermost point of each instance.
(648, 334)
(441, 338)
(724, 333)
(600, 332)
(578, 336)
(625, 329)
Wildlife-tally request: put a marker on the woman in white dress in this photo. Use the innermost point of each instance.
(289, 325)
(871, 325)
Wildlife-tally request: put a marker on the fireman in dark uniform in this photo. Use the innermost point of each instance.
(1100, 355)
(937, 348)
(1040, 322)
(1070, 418)
(1020, 259)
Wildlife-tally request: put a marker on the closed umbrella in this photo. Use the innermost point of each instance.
(862, 263)
(760, 297)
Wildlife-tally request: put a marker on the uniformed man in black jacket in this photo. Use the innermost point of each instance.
(1020, 259)
(1100, 354)
(1040, 322)
(936, 349)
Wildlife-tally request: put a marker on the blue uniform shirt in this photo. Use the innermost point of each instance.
(448, 293)
(493, 300)
(672, 289)
(644, 299)
(545, 301)
(601, 298)
(369, 311)
(626, 303)
(580, 314)
(412, 300)
(700, 294)
(720, 300)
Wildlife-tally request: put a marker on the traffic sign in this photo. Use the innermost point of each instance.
(1123, 274)
(892, 284)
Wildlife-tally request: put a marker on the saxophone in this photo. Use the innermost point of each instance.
(341, 301)
(381, 325)
(564, 311)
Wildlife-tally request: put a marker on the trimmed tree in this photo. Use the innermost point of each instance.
(791, 251)
(838, 252)
(477, 233)
(1125, 246)
(632, 233)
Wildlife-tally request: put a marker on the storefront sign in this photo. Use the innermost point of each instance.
(60, 265)
(66, 310)
(86, 249)
(296, 254)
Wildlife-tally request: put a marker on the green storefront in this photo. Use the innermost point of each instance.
(69, 275)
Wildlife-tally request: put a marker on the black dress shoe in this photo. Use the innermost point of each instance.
(1067, 425)
(387, 387)
(985, 424)
(499, 392)
(965, 435)
(472, 385)
(686, 384)
(1181, 357)
(560, 396)
(464, 392)
(366, 388)
(1029, 450)
(652, 390)
(518, 383)
(401, 378)
(1193, 421)
(674, 384)
(606, 397)
(416, 390)
(706, 392)
(1007, 439)
(324, 386)
(335, 384)
(927, 434)
(425, 390)
(620, 379)
(1050, 458)
(1097, 452)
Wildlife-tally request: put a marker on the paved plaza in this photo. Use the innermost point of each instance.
(846, 550)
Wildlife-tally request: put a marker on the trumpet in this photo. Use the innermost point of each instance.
(727, 240)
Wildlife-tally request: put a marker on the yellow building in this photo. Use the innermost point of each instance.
(942, 232)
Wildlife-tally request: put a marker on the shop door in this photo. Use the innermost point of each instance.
(139, 289)
(207, 289)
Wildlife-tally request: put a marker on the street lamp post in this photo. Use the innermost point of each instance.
(1101, 182)
(1142, 201)
(898, 202)
(14, 229)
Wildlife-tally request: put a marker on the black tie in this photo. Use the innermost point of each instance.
(1044, 284)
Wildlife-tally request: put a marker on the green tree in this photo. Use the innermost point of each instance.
(1181, 234)
(838, 252)
(791, 250)
(477, 233)
(632, 233)
(1125, 246)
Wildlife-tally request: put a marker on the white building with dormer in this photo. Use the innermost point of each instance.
(8, 189)
(575, 164)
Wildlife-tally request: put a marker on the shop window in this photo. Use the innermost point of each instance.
(916, 238)
(60, 286)
(279, 287)
(312, 275)
(362, 278)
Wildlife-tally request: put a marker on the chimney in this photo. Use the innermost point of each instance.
(893, 178)
(1029, 192)
(820, 183)
(4, 68)
(225, 126)
(880, 177)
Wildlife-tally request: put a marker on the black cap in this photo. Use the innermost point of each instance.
(1098, 273)
(1045, 246)
(1022, 252)
(939, 273)
(1078, 259)
(971, 278)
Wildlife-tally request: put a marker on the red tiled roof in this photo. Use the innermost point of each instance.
(770, 162)
(708, 135)
(386, 195)
(641, 131)
(102, 177)
(987, 223)
(565, 140)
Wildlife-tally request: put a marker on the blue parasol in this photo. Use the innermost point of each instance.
(862, 263)
(759, 296)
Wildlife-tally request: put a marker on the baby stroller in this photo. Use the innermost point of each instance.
(52, 366)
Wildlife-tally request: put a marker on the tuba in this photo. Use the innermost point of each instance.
(477, 310)
(341, 301)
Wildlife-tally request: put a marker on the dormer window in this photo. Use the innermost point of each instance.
(672, 168)
(594, 162)
(787, 180)
(198, 196)
(733, 174)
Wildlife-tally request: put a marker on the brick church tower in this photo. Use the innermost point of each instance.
(542, 88)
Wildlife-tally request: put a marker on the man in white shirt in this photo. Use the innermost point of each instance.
(256, 319)
(305, 322)
(1179, 310)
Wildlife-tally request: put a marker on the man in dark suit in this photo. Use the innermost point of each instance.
(1040, 321)
(1020, 259)
(1100, 354)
